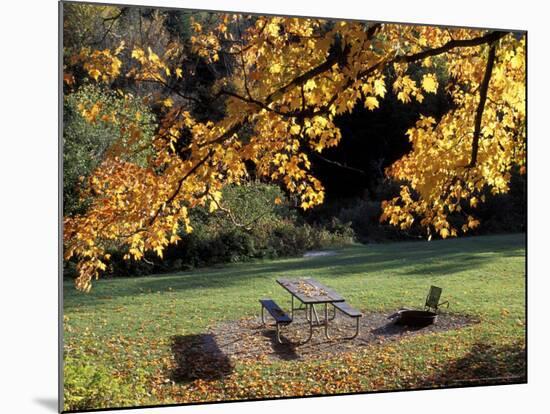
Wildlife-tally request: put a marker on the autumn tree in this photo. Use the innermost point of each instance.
(280, 82)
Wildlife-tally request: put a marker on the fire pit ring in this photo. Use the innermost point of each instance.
(412, 317)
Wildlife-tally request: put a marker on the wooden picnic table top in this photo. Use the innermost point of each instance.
(310, 291)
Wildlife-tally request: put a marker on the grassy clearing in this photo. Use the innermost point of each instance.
(128, 325)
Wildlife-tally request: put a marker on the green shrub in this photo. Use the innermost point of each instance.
(289, 239)
(364, 216)
(501, 213)
(89, 385)
(505, 213)
(257, 228)
(85, 144)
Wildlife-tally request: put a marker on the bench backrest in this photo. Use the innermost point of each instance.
(432, 300)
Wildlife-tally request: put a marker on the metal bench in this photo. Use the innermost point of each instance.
(281, 318)
(346, 309)
(432, 300)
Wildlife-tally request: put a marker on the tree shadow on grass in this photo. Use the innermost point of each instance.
(198, 357)
(418, 259)
(484, 364)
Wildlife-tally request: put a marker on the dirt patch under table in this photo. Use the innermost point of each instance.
(248, 339)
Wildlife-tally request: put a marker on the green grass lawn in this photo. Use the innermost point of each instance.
(125, 326)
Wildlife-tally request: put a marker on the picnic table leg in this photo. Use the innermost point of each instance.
(356, 330)
(310, 320)
(316, 315)
(308, 317)
(278, 330)
(293, 308)
(263, 320)
(333, 314)
(326, 321)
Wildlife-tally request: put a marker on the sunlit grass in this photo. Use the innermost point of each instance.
(128, 323)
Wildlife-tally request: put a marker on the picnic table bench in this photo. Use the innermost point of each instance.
(281, 318)
(352, 313)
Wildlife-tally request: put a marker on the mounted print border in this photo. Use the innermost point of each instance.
(259, 206)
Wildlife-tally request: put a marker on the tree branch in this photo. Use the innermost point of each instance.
(180, 184)
(113, 20)
(341, 58)
(231, 216)
(259, 104)
(338, 164)
(452, 44)
(334, 58)
(484, 87)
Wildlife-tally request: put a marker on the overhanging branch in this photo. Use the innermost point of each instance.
(340, 58)
(180, 184)
(334, 58)
(483, 89)
(452, 44)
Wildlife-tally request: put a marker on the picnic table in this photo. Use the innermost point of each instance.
(309, 292)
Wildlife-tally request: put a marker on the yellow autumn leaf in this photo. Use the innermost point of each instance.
(179, 73)
(371, 103)
(472, 223)
(516, 61)
(137, 53)
(403, 97)
(168, 102)
(429, 83)
(94, 73)
(295, 129)
(275, 68)
(310, 85)
(120, 47)
(379, 87)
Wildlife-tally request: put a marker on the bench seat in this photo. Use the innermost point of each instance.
(352, 313)
(274, 310)
(347, 309)
(281, 318)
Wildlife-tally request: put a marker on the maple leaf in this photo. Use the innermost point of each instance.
(380, 87)
(94, 73)
(429, 83)
(371, 103)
